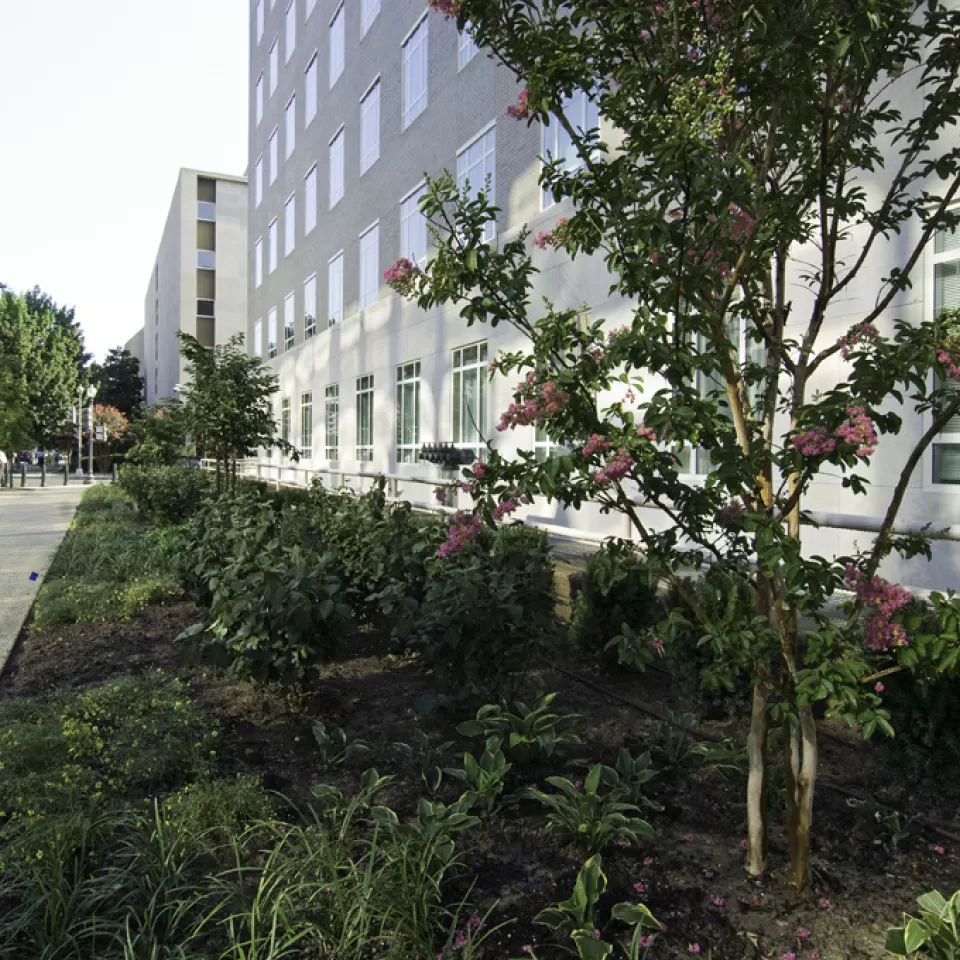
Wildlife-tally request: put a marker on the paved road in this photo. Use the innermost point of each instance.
(32, 524)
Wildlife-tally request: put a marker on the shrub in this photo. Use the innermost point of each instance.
(215, 811)
(167, 494)
(616, 588)
(98, 601)
(103, 502)
(485, 614)
(935, 933)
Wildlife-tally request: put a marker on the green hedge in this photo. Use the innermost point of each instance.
(167, 494)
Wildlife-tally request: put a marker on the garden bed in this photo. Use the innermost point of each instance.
(693, 863)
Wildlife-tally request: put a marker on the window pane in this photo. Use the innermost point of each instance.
(274, 156)
(369, 267)
(309, 308)
(336, 169)
(274, 65)
(413, 229)
(291, 30)
(370, 129)
(335, 291)
(946, 294)
(291, 123)
(289, 226)
(336, 47)
(947, 240)
(368, 13)
(946, 463)
(310, 101)
(310, 201)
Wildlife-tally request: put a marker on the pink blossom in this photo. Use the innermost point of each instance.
(596, 934)
(640, 888)
(535, 402)
(526, 948)
(743, 224)
(542, 240)
(936, 848)
(596, 444)
(815, 442)
(803, 933)
(884, 599)
(731, 514)
(688, 837)
(618, 333)
(646, 941)
(857, 334)
(650, 861)
(879, 687)
(521, 109)
(441, 494)
(504, 509)
(616, 469)
(399, 276)
(647, 433)
(949, 362)
(815, 955)
(859, 431)
(708, 874)
(449, 8)
(788, 956)
(693, 948)
(658, 645)
(465, 528)
(744, 844)
(718, 901)
(479, 469)
(824, 904)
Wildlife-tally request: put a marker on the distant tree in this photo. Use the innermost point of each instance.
(16, 424)
(118, 379)
(116, 425)
(228, 406)
(158, 434)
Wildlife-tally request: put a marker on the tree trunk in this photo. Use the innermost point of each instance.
(803, 827)
(756, 784)
(219, 480)
(791, 778)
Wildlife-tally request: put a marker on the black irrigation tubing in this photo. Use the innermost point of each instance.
(713, 738)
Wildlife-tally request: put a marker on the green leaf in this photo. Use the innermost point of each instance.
(915, 935)
(589, 947)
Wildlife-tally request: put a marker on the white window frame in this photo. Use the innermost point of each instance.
(369, 10)
(258, 264)
(413, 227)
(258, 97)
(311, 90)
(543, 447)
(467, 47)
(952, 430)
(338, 53)
(306, 425)
(274, 65)
(311, 4)
(369, 244)
(408, 392)
(488, 158)
(310, 304)
(335, 289)
(365, 403)
(286, 419)
(370, 126)
(290, 126)
(310, 200)
(272, 333)
(416, 42)
(260, 18)
(258, 182)
(468, 434)
(331, 422)
(258, 338)
(289, 321)
(336, 185)
(273, 149)
(290, 225)
(272, 242)
(290, 31)
(583, 114)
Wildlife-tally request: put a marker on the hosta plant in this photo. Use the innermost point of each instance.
(428, 757)
(333, 747)
(484, 778)
(935, 933)
(591, 814)
(530, 733)
(634, 773)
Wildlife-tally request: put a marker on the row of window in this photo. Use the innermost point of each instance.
(368, 13)
(469, 411)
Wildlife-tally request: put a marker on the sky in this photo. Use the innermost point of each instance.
(101, 103)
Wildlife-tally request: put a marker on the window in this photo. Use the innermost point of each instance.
(258, 338)
(290, 117)
(470, 397)
(370, 127)
(285, 419)
(413, 228)
(258, 182)
(274, 151)
(258, 263)
(309, 307)
(368, 13)
(272, 333)
(310, 5)
(206, 307)
(476, 167)
(468, 47)
(259, 99)
(369, 266)
(310, 85)
(291, 31)
(289, 329)
(289, 224)
(306, 425)
(274, 65)
(584, 115)
(331, 422)
(335, 290)
(310, 200)
(206, 260)
(259, 20)
(544, 448)
(408, 412)
(336, 168)
(365, 418)
(206, 210)
(337, 54)
(946, 296)
(273, 245)
(415, 74)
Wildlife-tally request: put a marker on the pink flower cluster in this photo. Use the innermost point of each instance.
(550, 238)
(615, 469)
(859, 333)
(449, 8)
(479, 469)
(859, 431)
(504, 509)
(465, 529)
(596, 444)
(647, 433)
(618, 333)
(949, 363)
(731, 514)
(399, 276)
(462, 937)
(710, 13)
(537, 401)
(441, 494)
(743, 223)
(884, 599)
(813, 443)
(521, 109)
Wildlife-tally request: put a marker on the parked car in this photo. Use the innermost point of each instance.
(25, 456)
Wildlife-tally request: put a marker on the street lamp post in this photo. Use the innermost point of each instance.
(79, 431)
(91, 393)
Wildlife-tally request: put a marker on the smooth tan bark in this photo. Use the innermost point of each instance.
(756, 784)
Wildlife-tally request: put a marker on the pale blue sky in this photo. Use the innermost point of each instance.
(100, 104)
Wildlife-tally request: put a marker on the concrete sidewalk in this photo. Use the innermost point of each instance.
(32, 524)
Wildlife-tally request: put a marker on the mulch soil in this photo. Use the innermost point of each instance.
(693, 869)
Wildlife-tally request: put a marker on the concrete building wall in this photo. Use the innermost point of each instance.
(171, 301)
(390, 332)
(135, 346)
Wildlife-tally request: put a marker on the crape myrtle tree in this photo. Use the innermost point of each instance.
(227, 403)
(158, 434)
(753, 163)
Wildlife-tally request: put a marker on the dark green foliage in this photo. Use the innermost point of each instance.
(486, 613)
(167, 494)
(158, 434)
(616, 588)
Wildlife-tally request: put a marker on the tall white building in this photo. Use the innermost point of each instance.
(350, 104)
